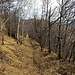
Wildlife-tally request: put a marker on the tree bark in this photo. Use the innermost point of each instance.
(49, 49)
(2, 39)
(18, 30)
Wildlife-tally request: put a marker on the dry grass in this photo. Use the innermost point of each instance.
(48, 64)
(27, 59)
(16, 59)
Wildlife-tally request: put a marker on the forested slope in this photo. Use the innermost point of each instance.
(16, 59)
(27, 59)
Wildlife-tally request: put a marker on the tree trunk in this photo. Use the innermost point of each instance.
(18, 30)
(59, 40)
(49, 49)
(2, 39)
(23, 31)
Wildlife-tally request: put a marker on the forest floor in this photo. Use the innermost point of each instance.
(26, 59)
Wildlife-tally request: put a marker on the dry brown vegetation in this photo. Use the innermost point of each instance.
(37, 42)
(48, 64)
(27, 59)
(16, 59)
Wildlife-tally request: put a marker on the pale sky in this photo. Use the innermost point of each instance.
(39, 3)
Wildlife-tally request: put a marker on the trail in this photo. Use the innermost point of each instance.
(17, 59)
(26, 59)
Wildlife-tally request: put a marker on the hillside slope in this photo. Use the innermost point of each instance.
(16, 59)
(27, 59)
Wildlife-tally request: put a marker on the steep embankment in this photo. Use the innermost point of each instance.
(16, 59)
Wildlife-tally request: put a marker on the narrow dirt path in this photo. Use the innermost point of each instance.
(18, 59)
(27, 58)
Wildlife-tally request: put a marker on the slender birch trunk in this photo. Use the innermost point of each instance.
(23, 31)
(18, 28)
